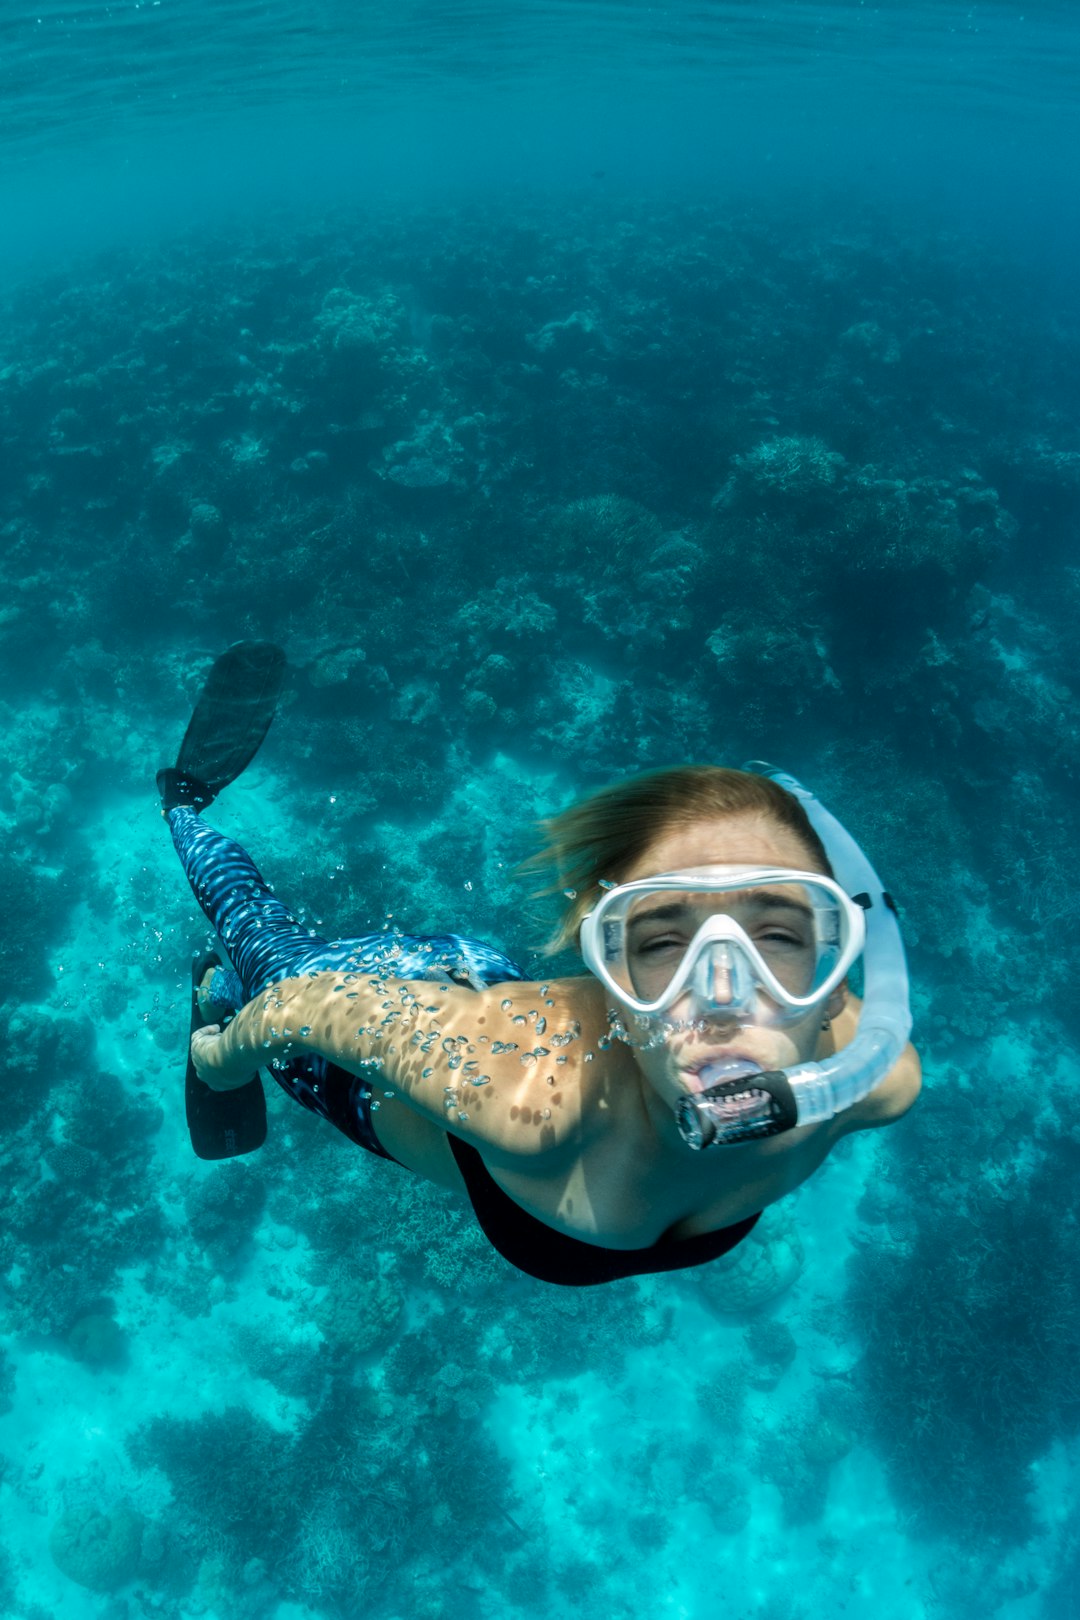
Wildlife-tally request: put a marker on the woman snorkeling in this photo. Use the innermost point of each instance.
(635, 1119)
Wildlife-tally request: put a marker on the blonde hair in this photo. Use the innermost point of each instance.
(603, 836)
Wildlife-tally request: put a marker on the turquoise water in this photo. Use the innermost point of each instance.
(570, 390)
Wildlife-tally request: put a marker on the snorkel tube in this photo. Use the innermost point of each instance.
(753, 1106)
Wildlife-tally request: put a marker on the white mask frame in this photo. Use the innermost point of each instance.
(602, 932)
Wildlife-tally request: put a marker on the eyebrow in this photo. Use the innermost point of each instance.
(762, 898)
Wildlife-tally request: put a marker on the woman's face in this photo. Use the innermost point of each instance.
(743, 840)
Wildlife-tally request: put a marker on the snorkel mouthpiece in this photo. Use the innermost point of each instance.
(743, 1108)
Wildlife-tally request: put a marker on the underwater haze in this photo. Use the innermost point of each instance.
(570, 389)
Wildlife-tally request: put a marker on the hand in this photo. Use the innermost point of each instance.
(215, 1065)
(204, 1051)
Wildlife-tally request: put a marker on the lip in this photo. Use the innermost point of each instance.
(691, 1074)
(721, 1056)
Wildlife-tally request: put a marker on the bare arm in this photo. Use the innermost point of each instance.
(480, 1063)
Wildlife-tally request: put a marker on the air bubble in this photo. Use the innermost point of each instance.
(462, 1114)
(571, 894)
(481, 1080)
(506, 1004)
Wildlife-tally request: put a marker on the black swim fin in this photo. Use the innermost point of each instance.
(222, 1124)
(231, 719)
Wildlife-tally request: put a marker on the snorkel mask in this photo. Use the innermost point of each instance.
(763, 946)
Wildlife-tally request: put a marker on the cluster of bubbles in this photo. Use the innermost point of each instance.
(377, 972)
(646, 1031)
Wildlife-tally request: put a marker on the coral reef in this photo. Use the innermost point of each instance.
(98, 1341)
(762, 1268)
(97, 1550)
(358, 1311)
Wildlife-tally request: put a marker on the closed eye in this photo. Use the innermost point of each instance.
(672, 942)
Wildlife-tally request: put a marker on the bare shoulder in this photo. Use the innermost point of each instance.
(535, 1046)
(893, 1096)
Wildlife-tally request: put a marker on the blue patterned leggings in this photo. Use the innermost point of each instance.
(265, 943)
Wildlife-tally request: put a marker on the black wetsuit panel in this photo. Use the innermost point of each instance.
(554, 1257)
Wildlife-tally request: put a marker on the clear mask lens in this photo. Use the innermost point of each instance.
(718, 948)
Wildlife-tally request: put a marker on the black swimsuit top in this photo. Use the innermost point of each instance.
(551, 1256)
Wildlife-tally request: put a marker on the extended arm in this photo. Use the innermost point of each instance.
(498, 1067)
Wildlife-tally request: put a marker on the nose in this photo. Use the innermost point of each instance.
(717, 983)
(718, 979)
(722, 983)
